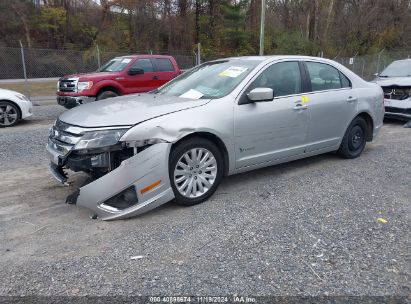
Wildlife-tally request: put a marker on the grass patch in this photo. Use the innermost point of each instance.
(43, 88)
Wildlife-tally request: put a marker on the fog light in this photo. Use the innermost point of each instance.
(125, 199)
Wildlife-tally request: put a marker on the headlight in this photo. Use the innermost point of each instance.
(84, 85)
(99, 139)
(22, 97)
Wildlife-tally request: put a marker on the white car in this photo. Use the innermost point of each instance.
(13, 107)
(395, 81)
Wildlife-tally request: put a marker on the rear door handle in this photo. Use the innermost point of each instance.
(351, 99)
(155, 77)
(300, 107)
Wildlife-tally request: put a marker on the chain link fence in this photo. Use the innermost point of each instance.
(368, 66)
(51, 63)
(30, 64)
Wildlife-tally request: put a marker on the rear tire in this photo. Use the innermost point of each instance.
(354, 139)
(195, 168)
(106, 94)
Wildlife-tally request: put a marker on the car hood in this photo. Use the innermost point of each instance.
(91, 76)
(127, 110)
(4, 92)
(394, 81)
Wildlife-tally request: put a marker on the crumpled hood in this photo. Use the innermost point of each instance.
(394, 81)
(127, 110)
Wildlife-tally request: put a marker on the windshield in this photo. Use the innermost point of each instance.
(398, 69)
(210, 80)
(115, 65)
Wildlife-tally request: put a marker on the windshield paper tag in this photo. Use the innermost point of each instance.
(193, 94)
(126, 60)
(233, 72)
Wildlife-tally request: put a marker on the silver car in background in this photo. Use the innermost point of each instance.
(220, 118)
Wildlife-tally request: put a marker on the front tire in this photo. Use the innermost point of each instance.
(196, 168)
(354, 139)
(106, 94)
(9, 114)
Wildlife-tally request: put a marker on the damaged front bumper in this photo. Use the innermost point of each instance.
(139, 184)
(398, 109)
(397, 104)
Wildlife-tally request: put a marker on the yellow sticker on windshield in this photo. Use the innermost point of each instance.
(304, 99)
(233, 72)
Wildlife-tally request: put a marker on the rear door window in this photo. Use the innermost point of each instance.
(163, 65)
(144, 64)
(324, 77)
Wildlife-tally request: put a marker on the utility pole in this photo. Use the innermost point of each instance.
(262, 27)
(98, 55)
(199, 53)
(23, 61)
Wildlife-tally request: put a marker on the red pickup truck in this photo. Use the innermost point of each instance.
(120, 76)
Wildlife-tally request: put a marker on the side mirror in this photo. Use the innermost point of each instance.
(261, 94)
(135, 71)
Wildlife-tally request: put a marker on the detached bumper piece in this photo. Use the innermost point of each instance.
(58, 174)
(139, 184)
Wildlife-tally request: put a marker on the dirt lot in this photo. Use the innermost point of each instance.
(308, 227)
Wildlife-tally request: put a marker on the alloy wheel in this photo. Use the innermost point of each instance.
(195, 172)
(8, 115)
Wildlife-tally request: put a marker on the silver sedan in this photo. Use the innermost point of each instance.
(220, 118)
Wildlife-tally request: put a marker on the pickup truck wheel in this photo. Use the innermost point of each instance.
(196, 170)
(106, 94)
(9, 114)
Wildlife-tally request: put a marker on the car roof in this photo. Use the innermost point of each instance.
(144, 56)
(399, 60)
(276, 57)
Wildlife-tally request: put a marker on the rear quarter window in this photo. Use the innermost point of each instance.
(163, 65)
(345, 82)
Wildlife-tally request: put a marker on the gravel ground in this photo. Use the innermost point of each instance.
(304, 228)
(24, 144)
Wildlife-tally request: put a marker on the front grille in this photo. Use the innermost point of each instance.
(59, 146)
(61, 140)
(68, 85)
(65, 137)
(398, 93)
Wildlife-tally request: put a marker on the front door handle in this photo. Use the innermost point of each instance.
(155, 77)
(351, 99)
(300, 107)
